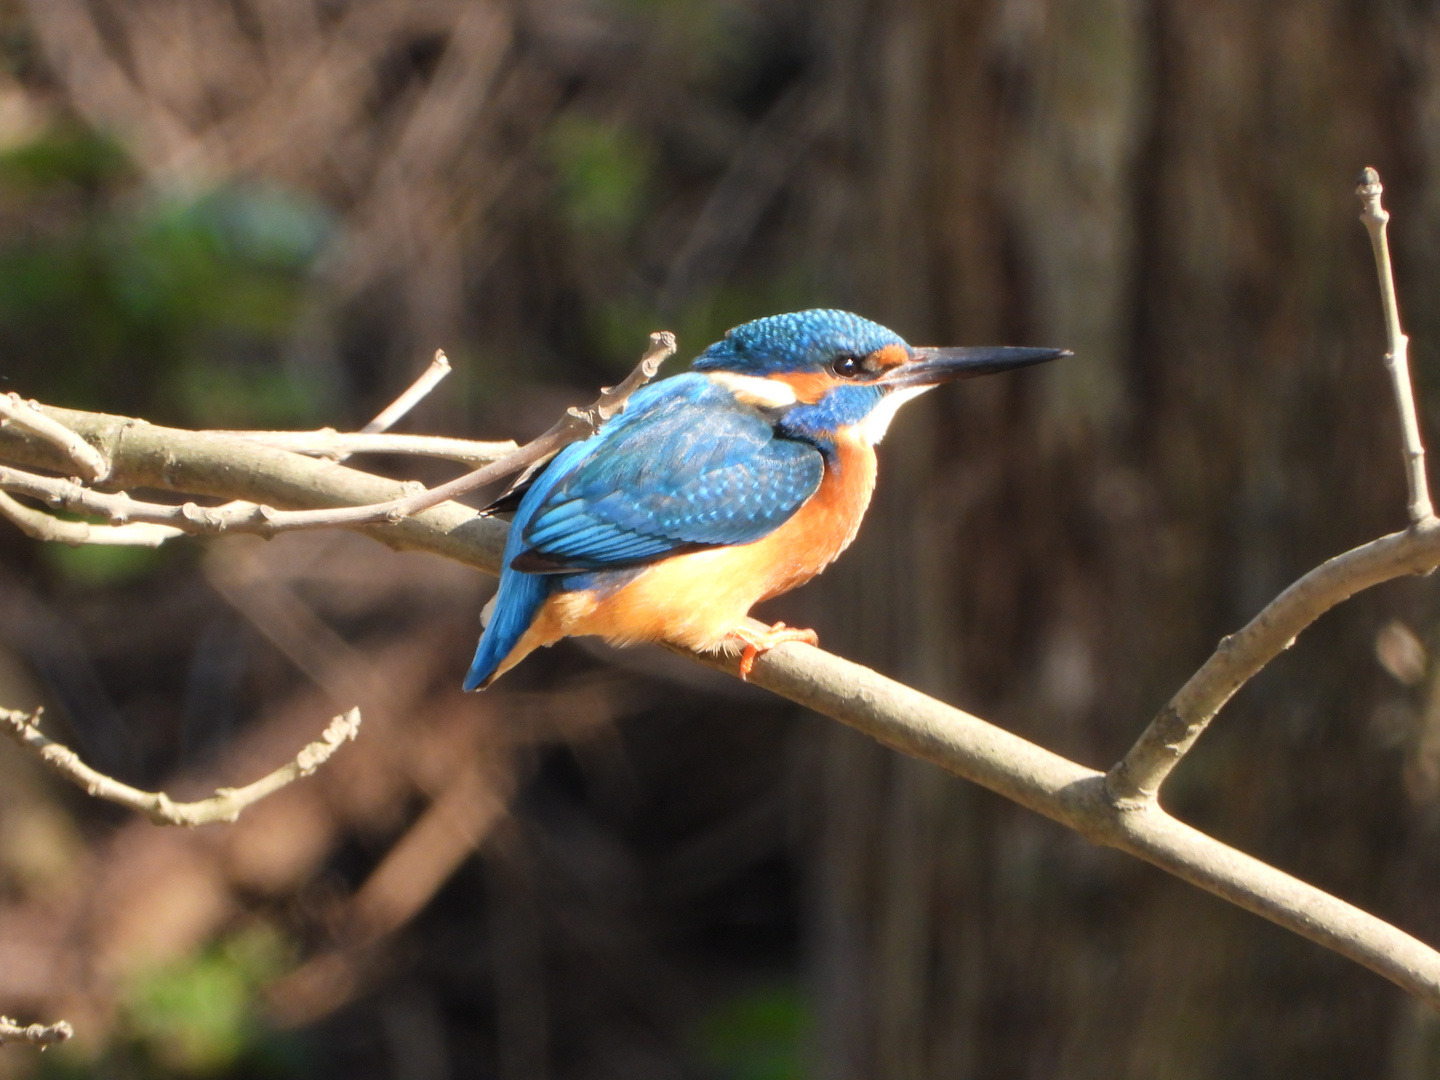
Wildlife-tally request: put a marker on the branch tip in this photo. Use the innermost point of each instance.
(41, 1036)
(1375, 218)
(415, 393)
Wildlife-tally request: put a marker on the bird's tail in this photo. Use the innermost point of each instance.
(511, 613)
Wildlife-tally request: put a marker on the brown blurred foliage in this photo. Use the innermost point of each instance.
(677, 876)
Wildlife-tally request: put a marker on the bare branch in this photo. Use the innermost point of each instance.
(339, 445)
(613, 398)
(1244, 653)
(224, 806)
(1241, 655)
(39, 525)
(120, 509)
(24, 414)
(246, 517)
(41, 1035)
(428, 380)
(1375, 218)
(217, 465)
(1078, 798)
(576, 424)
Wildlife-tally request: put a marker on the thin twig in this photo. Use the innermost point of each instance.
(41, 1035)
(1244, 653)
(121, 510)
(339, 445)
(222, 466)
(428, 380)
(247, 517)
(1240, 656)
(224, 806)
(575, 425)
(23, 414)
(42, 526)
(1375, 218)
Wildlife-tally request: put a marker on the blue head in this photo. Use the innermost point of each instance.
(802, 341)
(831, 370)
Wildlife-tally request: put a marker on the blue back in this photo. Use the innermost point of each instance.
(684, 467)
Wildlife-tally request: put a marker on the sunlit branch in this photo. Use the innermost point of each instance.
(1241, 655)
(85, 458)
(1375, 218)
(339, 445)
(263, 520)
(413, 395)
(42, 526)
(224, 806)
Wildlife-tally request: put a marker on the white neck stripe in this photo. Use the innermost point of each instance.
(872, 429)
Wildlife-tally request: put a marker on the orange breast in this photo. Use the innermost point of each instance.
(695, 599)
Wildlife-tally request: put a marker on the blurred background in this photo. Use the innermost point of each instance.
(269, 213)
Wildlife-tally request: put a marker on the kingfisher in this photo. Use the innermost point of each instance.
(715, 489)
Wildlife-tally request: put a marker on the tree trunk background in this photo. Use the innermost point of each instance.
(1166, 189)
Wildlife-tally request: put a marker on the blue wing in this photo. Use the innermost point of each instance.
(688, 468)
(685, 466)
(520, 595)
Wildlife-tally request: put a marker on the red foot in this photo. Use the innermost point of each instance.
(759, 641)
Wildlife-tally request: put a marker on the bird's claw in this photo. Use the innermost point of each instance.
(757, 642)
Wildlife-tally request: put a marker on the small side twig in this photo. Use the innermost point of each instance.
(41, 1035)
(247, 517)
(224, 806)
(430, 378)
(339, 445)
(1375, 217)
(575, 425)
(1136, 779)
(15, 410)
(39, 525)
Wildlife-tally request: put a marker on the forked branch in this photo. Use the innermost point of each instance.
(88, 462)
(1241, 655)
(42, 526)
(224, 806)
(248, 517)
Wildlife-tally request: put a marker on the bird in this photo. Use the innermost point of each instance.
(716, 488)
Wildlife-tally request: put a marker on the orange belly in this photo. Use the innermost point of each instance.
(695, 600)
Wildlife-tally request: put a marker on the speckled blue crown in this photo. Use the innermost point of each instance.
(798, 341)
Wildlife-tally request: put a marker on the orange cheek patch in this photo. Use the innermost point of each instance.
(888, 357)
(809, 386)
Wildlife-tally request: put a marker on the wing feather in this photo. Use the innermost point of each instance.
(689, 468)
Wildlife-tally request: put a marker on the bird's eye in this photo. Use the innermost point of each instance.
(847, 367)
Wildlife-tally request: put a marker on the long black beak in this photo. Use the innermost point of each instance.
(933, 365)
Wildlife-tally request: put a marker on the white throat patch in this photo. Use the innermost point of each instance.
(872, 429)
